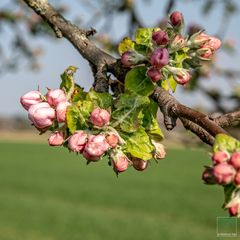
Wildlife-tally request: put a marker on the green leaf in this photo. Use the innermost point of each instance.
(78, 115)
(128, 113)
(225, 142)
(172, 83)
(137, 81)
(229, 191)
(150, 122)
(78, 94)
(164, 84)
(143, 36)
(138, 144)
(125, 45)
(142, 49)
(102, 100)
(179, 57)
(67, 83)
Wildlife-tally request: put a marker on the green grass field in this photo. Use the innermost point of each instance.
(48, 194)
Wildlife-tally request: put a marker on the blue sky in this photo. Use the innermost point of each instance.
(60, 54)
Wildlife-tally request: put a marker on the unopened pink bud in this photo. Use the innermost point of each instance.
(112, 139)
(235, 160)
(77, 141)
(31, 98)
(42, 115)
(100, 117)
(233, 211)
(61, 110)
(198, 40)
(139, 164)
(182, 77)
(160, 37)
(214, 43)
(224, 173)
(159, 57)
(56, 139)
(89, 157)
(219, 157)
(208, 176)
(205, 53)
(54, 97)
(119, 161)
(237, 179)
(131, 58)
(96, 145)
(154, 74)
(176, 19)
(178, 43)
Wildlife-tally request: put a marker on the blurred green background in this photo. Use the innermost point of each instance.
(49, 194)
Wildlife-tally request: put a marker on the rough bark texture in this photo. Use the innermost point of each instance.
(102, 63)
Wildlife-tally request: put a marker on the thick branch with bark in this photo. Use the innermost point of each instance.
(102, 63)
(228, 119)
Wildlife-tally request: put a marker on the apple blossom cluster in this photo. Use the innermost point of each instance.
(225, 171)
(167, 54)
(90, 124)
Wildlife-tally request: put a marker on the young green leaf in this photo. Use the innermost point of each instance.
(138, 144)
(137, 81)
(143, 36)
(150, 122)
(128, 113)
(67, 83)
(225, 142)
(77, 115)
(102, 100)
(125, 45)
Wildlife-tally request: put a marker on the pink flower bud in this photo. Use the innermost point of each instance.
(54, 97)
(235, 160)
(214, 43)
(178, 43)
(219, 157)
(154, 74)
(180, 75)
(131, 58)
(233, 211)
(31, 98)
(198, 40)
(112, 140)
(56, 139)
(224, 173)
(119, 161)
(96, 145)
(205, 53)
(61, 110)
(237, 179)
(139, 164)
(90, 157)
(42, 115)
(159, 152)
(99, 117)
(176, 19)
(159, 57)
(77, 141)
(208, 176)
(160, 37)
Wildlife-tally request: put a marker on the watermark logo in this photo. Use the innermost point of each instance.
(227, 227)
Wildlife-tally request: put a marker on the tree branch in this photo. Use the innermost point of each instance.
(78, 37)
(227, 119)
(172, 109)
(199, 131)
